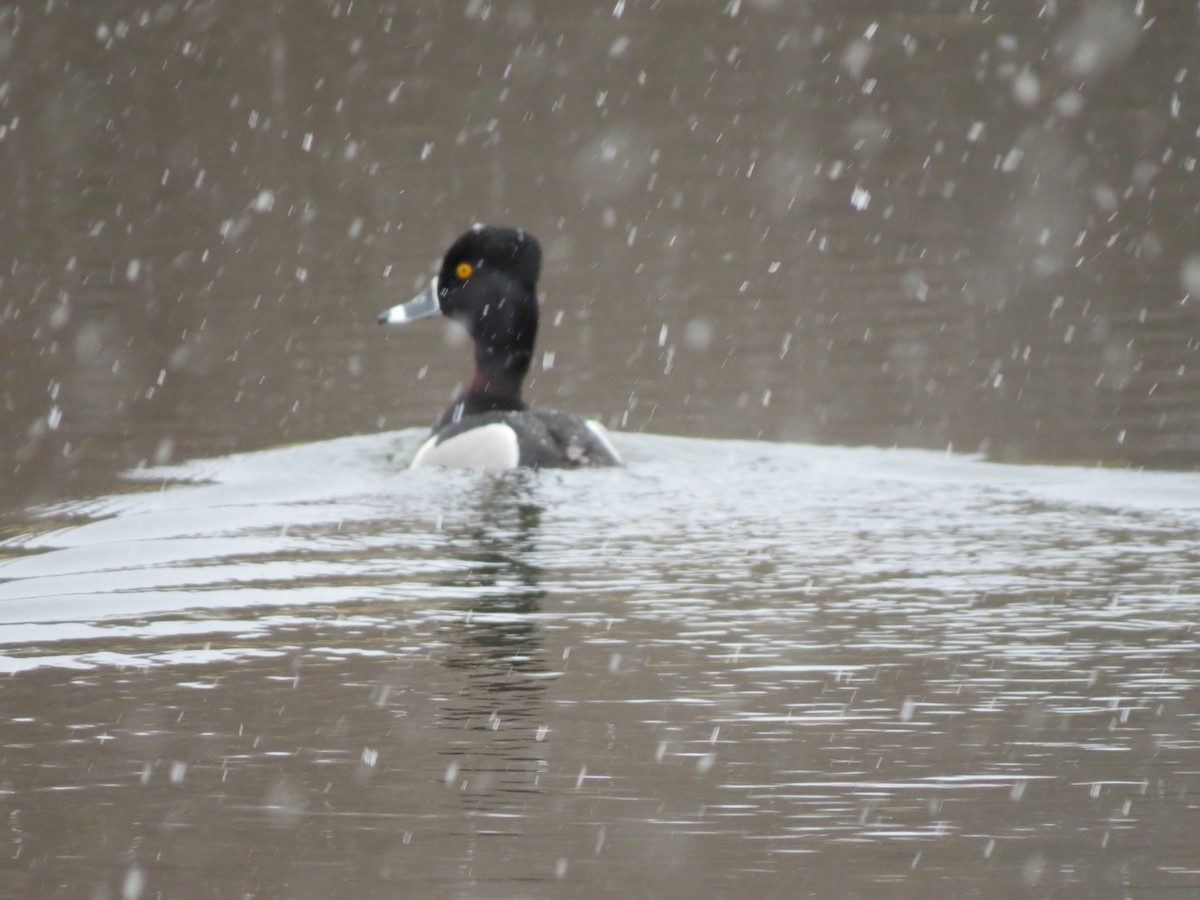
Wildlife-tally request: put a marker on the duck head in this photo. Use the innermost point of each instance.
(488, 284)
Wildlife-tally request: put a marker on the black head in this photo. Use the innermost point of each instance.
(510, 254)
(488, 284)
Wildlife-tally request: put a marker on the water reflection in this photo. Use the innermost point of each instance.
(496, 641)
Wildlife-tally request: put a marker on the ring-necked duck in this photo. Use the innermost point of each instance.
(488, 283)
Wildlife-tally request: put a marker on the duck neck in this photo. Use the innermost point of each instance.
(501, 364)
(494, 390)
(504, 336)
(485, 394)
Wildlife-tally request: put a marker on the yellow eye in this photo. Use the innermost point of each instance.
(464, 271)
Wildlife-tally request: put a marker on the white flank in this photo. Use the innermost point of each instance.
(491, 448)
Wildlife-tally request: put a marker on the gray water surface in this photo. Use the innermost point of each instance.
(919, 222)
(767, 659)
(732, 668)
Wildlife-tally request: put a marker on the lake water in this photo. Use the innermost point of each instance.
(904, 606)
(732, 667)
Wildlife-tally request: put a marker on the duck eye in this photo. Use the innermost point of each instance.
(464, 271)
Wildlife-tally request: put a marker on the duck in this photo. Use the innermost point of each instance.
(487, 283)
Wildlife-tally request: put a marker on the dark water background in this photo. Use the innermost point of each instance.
(206, 204)
(936, 224)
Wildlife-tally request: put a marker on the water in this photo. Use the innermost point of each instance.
(923, 224)
(766, 659)
(733, 666)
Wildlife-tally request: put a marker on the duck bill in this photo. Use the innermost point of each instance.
(422, 306)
